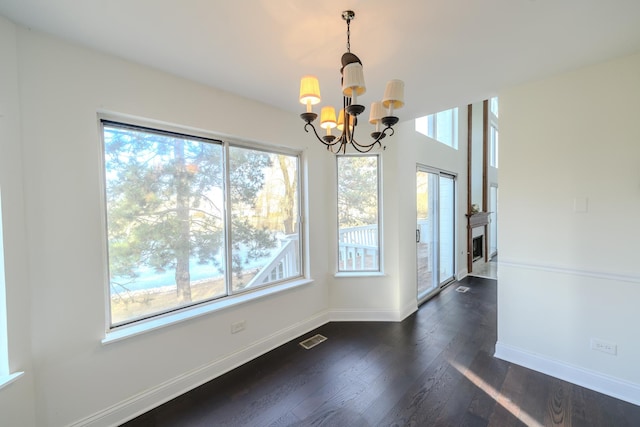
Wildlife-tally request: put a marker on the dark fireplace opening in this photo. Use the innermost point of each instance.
(478, 247)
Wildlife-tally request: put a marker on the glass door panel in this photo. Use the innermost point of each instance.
(426, 232)
(493, 221)
(446, 200)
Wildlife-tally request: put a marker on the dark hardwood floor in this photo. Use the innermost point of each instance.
(436, 368)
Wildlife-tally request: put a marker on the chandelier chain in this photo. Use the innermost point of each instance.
(349, 35)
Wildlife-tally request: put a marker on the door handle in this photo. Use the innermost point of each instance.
(417, 235)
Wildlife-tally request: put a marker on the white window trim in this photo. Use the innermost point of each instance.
(161, 321)
(5, 380)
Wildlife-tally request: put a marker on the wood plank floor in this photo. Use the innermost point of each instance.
(436, 368)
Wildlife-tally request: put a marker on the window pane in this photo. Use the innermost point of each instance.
(444, 127)
(264, 217)
(441, 126)
(165, 220)
(494, 105)
(358, 213)
(493, 147)
(4, 344)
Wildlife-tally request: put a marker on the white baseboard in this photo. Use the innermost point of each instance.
(408, 310)
(149, 399)
(462, 274)
(592, 380)
(355, 315)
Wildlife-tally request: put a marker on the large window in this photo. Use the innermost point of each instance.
(4, 345)
(193, 219)
(442, 127)
(358, 213)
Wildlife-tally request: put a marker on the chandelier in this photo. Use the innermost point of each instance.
(381, 114)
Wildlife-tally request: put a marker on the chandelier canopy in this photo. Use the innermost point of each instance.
(381, 114)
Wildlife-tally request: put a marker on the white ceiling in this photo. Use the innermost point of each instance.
(448, 52)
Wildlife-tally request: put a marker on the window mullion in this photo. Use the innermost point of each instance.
(227, 216)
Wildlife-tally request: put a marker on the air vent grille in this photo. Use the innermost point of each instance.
(313, 341)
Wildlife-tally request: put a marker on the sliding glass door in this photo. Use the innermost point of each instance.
(435, 230)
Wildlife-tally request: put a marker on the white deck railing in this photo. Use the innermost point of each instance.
(358, 248)
(284, 263)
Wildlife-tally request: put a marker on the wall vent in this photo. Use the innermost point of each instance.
(313, 341)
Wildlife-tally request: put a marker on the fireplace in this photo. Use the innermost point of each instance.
(478, 247)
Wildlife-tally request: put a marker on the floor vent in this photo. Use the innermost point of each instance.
(313, 341)
(462, 289)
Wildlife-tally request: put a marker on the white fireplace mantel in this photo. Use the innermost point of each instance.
(478, 219)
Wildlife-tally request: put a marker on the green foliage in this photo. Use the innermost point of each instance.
(357, 190)
(165, 202)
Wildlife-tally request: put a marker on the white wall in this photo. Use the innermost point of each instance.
(78, 379)
(569, 207)
(16, 399)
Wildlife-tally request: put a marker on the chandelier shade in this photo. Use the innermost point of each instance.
(353, 80)
(352, 86)
(328, 118)
(309, 91)
(393, 94)
(376, 114)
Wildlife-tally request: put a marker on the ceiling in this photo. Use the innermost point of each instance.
(448, 52)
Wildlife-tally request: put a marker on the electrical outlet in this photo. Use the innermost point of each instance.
(604, 346)
(238, 326)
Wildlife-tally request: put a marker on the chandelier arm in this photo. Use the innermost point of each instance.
(366, 147)
(327, 144)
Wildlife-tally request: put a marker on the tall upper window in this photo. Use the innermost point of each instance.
(442, 127)
(493, 105)
(192, 219)
(493, 135)
(493, 146)
(358, 213)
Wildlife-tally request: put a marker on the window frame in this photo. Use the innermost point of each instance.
(494, 134)
(493, 144)
(140, 324)
(432, 126)
(379, 196)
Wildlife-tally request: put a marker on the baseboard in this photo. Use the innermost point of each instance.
(358, 315)
(408, 310)
(149, 399)
(462, 274)
(592, 380)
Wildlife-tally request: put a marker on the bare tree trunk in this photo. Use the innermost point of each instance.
(183, 276)
(290, 192)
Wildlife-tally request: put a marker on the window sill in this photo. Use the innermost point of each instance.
(5, 380)
(142, 327)
(348, 274)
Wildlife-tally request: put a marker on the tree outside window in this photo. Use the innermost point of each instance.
(169, 242)
(358, 213)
